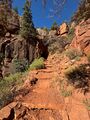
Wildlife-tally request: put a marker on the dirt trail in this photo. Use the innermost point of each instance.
(44, 102)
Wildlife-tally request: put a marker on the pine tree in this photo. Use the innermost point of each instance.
(83, 12)
(54, 26)
(27, 26)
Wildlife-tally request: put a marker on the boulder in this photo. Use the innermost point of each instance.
(7, 35)
(43, 33)
(63, 29)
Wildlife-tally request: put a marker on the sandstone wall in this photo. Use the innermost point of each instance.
(81, 41)
(15, 47)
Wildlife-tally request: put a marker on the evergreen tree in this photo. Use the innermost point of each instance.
(27, 26)
(16, 10)
(83, 12)
(54, 26)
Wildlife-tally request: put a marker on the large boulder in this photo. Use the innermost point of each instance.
(81, 41)
(63, 29)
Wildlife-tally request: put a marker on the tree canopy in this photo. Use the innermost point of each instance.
(27, 26)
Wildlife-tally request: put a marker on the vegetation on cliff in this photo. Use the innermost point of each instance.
(27, 27)
(83, 12)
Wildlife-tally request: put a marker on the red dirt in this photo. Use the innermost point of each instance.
(44, 102)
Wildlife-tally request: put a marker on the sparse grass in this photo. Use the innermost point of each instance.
(71, 34)
(62, 86)
(10, 85)
(73, 54)
(88, 57)
(65, 90)
(77, 75)
(7, 86)
(87, 103)
(37, 64)
(66, 93)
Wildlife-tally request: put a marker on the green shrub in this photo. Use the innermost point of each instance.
(7, 84)
(54, 26)
(88, 57)
(57, 44)
(83, 11)
(37, 64)
(19, 65)
(46, 29)
(71, 34)
(77, 75)
(66, 93)
(73, 53)
(87, 104)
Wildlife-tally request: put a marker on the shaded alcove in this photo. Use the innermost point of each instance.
(43, 49)
(3, 46)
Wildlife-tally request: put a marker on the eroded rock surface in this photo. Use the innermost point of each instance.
(81, 41)
(15, 47)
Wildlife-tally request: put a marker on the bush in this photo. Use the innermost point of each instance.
(56, 44)
(7, 84)
(73, 53)
(19, 65)
(71, 34)
(88, 57)
(46, 29)
(66, 93)
(77, 76)
(87, 104)
(37, 64)
(83, 12)
(54, 26)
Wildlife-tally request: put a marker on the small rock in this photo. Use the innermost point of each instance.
(33, 81)
(8, 35)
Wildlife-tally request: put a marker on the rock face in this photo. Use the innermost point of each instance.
(43, 33)
(15, 47)
(81, 41)
(63, 29)
(52, 33)
(9, 21)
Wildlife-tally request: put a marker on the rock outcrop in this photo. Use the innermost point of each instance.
(81, 41)
(9, 20)
(52, 33)
(42, 33)
(63, 29)
(14, 47)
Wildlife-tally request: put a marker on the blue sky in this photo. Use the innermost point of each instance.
(41, 17)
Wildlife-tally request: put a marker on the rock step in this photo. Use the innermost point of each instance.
(21, 110)
(45, 71)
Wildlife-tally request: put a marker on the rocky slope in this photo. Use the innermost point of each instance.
(14, 47)
(81, 41)
(45, 100)
(50, 96)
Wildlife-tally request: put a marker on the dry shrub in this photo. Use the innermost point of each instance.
(78, 76)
